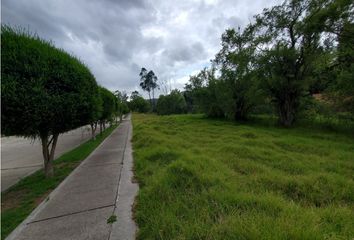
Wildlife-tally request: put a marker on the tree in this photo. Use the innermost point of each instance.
(237, 64)
(45, 91)
(122, 105)
(96, 113)
(109, 103)
(207, 93)
(334, 18)
(173, 103)
(288, 52)
(138, 103)
(148, 82)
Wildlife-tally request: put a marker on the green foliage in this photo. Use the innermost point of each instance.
(138, 103)
(109, 104)
(44, 90)
(343, 89)
(288, 60)
(220, 180)
(173, 103)
(112, 219)
(122, 103)
(148, 82)
(238, 76)
(206, 93)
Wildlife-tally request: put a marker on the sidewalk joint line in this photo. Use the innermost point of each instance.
(69, 214)
(119, 180)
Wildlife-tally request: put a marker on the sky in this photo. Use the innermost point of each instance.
(116, 38)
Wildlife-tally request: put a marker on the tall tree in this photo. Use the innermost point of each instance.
(148, 82)
(237, 64)
(44, 91)
(287, 56)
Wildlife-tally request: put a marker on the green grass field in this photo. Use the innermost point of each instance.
(213, 179)
(19, 201)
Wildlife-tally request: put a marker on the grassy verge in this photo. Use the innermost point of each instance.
(19, 201)
(212, 179)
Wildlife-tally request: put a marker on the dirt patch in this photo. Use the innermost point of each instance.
(13, 199)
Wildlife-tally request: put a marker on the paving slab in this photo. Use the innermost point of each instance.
(98, 188)
(90, 225)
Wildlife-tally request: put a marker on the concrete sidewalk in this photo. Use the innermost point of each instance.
(99, 188)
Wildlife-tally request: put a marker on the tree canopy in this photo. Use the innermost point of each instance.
(45, 91)
(148, 82)
(173, 103)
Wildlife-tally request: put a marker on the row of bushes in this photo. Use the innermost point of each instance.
(46, 92)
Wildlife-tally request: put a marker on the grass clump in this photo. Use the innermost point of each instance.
(19, 200)
(112, 219)
(212, 179)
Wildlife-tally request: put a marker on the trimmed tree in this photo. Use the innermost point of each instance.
(96, 114)
(122, 105)
(109, 106)
(45, 91)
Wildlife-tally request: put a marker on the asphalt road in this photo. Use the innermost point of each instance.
(21, 157)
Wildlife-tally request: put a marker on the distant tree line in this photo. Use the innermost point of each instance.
(291, 52)
(46, 92)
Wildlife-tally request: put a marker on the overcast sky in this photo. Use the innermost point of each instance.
(115, 38)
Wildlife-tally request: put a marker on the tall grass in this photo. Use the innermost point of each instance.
(212, 179)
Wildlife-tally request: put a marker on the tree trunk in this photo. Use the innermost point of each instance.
(150, 99)
(153, 100)
(286, 111)
(93, 130)
(48, 150)
(100, 127)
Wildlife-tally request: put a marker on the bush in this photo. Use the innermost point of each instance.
(139, 104)
(174, 103)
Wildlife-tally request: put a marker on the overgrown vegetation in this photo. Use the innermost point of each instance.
(216, 179)
(138, 104)
(172, 103)
(19, 201)
(286, 55)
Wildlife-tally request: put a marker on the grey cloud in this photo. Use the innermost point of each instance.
(186, 53)
(108, 34)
